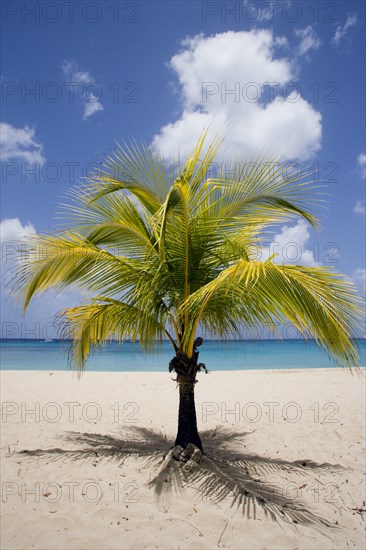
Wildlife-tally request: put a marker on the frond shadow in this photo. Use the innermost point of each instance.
(224, 474)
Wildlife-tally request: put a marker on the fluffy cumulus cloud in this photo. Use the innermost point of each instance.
(359, 208)
(20, 144)
(309, 40)
(290, 245)
(361, 162)
(342, 30)
(225, 82)
(83, 78)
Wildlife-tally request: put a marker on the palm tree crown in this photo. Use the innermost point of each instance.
(164, 251)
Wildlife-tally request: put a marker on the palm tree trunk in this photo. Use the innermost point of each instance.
(187, 421)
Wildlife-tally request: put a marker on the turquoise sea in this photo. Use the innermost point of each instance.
(217, 355)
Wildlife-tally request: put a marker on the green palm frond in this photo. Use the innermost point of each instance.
(89, 325)
(55, 262)
(315, 300)
(163, 250)
(135, 169)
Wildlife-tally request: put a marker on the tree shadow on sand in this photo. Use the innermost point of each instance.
(226, 473)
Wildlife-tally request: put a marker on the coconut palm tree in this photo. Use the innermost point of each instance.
(167, 252)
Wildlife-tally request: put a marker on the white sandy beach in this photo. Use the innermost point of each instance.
(79, 491)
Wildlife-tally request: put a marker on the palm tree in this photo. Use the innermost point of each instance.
(165, 252)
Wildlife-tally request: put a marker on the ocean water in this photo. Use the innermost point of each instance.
(217, 355)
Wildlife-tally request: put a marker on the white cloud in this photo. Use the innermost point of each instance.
(309, 40)
(11, 229)
(228, 57)
(71, 70)
(92, 106)
(290, 245)
(20, 144)
(359, 208)
(359, 278)
(361, 160)
(38, 322)
(256, 13)
(12, 233)
(281, 41)
(222, 79)
(91, 102)
(341, 30)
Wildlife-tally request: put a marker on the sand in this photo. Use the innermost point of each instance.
(295, 438)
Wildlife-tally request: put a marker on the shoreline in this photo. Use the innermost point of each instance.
(233, 371)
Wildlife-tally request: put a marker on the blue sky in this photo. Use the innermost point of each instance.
(160, 71)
